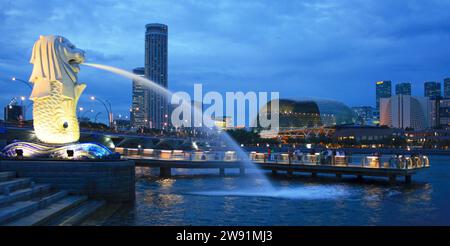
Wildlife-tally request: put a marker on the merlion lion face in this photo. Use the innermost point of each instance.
(56, 89)
(70, 54)
(55, 58)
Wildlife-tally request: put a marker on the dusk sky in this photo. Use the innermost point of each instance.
(325, 49)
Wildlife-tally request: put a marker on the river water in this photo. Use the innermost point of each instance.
(205, 198)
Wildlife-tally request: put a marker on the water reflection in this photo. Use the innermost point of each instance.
(166, 184)
(196, 200)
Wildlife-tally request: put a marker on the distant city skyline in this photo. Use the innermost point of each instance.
(301, 49)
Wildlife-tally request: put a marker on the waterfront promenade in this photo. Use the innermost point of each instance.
(388, 166)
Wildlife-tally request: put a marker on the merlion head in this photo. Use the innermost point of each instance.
(55, 58)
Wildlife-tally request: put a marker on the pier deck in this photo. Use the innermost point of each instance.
(359, 170)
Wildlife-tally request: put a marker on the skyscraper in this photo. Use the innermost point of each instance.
(156, 70)
(432, 89)
(447, 87)
(140, 104)
(403, 89)
(383, 90)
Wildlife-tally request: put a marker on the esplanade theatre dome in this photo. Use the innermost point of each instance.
(311, 113)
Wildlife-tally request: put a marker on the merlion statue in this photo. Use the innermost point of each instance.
(56, 89)
(55, 94)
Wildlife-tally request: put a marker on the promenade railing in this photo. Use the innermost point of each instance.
(367, 161)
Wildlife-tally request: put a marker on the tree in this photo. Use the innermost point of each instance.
(243, 136)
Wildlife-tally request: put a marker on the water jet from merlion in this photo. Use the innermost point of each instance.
(263, 184)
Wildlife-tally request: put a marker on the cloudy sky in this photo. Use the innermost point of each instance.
(326, 49)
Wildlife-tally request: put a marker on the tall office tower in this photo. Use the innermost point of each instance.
(403, 89)
(156, 70)
(432, 89)
(383, 90)
(447, 87)
(139, 103)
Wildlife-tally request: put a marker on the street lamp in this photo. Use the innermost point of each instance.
(24, 109)
(96, 115)
(108, 109)
(87, 111)
(23, 81)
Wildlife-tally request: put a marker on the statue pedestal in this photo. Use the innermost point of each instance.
(110, 180)
(74, 151)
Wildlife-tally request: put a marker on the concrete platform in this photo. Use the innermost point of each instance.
(110, 180)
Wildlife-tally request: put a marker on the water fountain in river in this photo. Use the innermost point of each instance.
(262, 186)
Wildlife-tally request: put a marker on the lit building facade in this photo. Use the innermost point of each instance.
(223, 123)
(435, 112)
(404, 111)
(363, 115)
(13, 113)
(156, 48)
(432, 90)
(311, 113)
(140, 103)
(383, 90)
(122, 124)
(444, 113)
(403, 89)
(447, 87)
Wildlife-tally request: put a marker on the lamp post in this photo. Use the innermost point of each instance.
(82, 116)
(87, 111)
(107, 106)
(96, 115)
(23, 81)
(26, 107)
(23, 98)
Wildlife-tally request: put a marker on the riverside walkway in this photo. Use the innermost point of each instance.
(389, 166)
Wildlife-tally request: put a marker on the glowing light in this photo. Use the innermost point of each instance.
(81, 151)
(13, 78)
